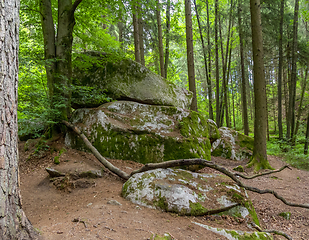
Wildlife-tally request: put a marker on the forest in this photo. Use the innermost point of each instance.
(226, 71)
(154, 34)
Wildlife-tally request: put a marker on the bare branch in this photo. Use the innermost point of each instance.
(75, 5)
(95, 152)
(263, 174)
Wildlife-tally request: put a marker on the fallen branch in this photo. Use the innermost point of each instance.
(96, 153)
(263, 174)
(176, 163)
(272, 231)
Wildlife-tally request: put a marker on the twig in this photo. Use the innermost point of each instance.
(272, 231)
(263, 174)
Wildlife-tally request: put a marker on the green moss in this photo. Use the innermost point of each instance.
(245, 141)
(259, 162)
(165, 237)
(249, 236)
(56, 160)
(286, 215)
(197, 209)
(239, 168)
(161, 202)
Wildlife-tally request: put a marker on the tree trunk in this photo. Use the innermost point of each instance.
(160, 38)
(280, 71)
(217, 66)
(136, 34)
(300, 107)
(307, 137)
(259, 158)
(167, 38)
(13, 221)
(294, 71)
(190, 56)
(58, 55)
(243, 77)
(205, 58)
(141, 38)
(120, 35)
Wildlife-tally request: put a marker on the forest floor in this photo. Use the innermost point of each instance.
(89, 213)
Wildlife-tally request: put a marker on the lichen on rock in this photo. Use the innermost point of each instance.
(187, 193)
(232, 145)
(140, 132)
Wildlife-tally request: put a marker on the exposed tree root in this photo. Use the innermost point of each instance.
(181, 162)
(262, 174)
(272, 231)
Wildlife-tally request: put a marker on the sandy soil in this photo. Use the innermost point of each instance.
(89, 213)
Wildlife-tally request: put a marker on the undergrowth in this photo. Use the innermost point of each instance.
(293, 155)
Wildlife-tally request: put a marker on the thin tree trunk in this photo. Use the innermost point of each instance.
(205, 58)
(190, 56)
(280, 71)
(259, 158)
(300, 107)
(294, 73)
(243, 77)
(141, 37)
(160, 38)
(227, 65)
(167, 38)
(228, 120)
(307, 137)
(120, 29)
(217, 65)
(223, 60)
(136, 34)
(211, 114)
(13, 222)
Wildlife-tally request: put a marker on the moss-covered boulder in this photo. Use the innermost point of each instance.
(140, 132)
(187, 193)
(232, 145)
(123, 80)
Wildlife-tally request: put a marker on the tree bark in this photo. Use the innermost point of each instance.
(292, 89)
(307, 137)
(259, 158)
(167, 38)
(190, 54)
(211, 113)
(13, 221)
(136, 33)
(243, 76)
(160, 38)
(217, 66)
(205, 58)
(280, 71)
(141, 35)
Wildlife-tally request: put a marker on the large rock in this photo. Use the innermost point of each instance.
(123, 80)
(232, 145)
(187, 193)
(142, 133)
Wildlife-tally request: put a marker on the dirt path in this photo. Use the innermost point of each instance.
(89, 213)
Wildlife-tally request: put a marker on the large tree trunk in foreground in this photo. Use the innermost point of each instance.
(259, 158)
(190, 56)
(13, 221)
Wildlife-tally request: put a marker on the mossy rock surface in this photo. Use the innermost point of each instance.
(187, 193)
(125, 80)
(140, 132)
(237, 234)
(232, 145)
